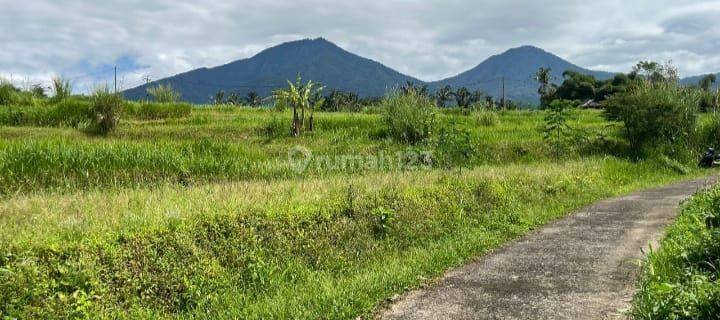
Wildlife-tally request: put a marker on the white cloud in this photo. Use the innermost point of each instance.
(426, 39)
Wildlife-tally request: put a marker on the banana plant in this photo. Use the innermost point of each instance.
(297, 95)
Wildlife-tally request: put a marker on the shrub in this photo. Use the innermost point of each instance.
(410, 118)
(8, 93)
(62, 89)
(164, 93)
(655, 113)
(105, 106)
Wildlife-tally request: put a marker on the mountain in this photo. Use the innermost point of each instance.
(324, 62)
(318, 60)
(695, 80)
(518, 66)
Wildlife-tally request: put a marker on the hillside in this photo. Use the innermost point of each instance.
(318, 60)
(694, 80)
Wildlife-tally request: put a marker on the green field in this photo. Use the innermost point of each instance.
(202, 214)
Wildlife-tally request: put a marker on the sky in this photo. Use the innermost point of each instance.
(430, 40)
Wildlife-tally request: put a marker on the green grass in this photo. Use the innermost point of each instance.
(679, 280)
(199, 214)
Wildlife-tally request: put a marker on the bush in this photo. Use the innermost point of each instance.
(106, 110)
(163, 93)
(661, 113)
(8, 93)
(410, 118)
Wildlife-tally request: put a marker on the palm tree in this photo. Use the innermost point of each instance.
(443, 95)
(219, 97)
(543, 77)
(297, 96)
(477, 96)
(253, 99)
(463, 97)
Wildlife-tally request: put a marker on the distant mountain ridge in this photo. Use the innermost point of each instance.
(318, 60)
(518, 67)
(322, 61)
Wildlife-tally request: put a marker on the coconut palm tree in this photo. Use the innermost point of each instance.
(253, 99)
(543, 77)
(463, 97)
(443, 95)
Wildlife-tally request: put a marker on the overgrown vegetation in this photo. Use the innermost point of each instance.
(163, 93)
(105, 110)
(680, 280)
(410, 117)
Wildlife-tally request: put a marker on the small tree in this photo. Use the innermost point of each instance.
(105, 109)
(164, 93)
(557, 132)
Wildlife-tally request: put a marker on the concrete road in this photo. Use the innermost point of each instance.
(583, 266)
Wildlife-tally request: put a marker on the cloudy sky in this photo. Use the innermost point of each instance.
(430, 40)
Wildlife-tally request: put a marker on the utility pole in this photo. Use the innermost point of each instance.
(147, 84)
(503, 92)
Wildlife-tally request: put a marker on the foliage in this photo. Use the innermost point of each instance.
(487, 118)
(298, 96)
(68, 113)
(679, 281)
(410, 117)
(163, 93)
(544, 77)
(253, 99)
(443, 95)
(155, 111)
(664, 113)
(557, 132)
(106, 108)
(707, 81)
(8, 93)
(62, 89)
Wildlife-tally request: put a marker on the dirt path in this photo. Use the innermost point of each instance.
(580, 267)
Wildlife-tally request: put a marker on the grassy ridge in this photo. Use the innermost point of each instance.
(679, 280)
(319, 248)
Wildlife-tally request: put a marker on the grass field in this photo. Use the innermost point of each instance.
(202, 214)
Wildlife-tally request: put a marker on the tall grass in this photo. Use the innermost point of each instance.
(163, 93)
(106, 110)
(326, 248)
(410, 117)
(680, 280)
(62, 89)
